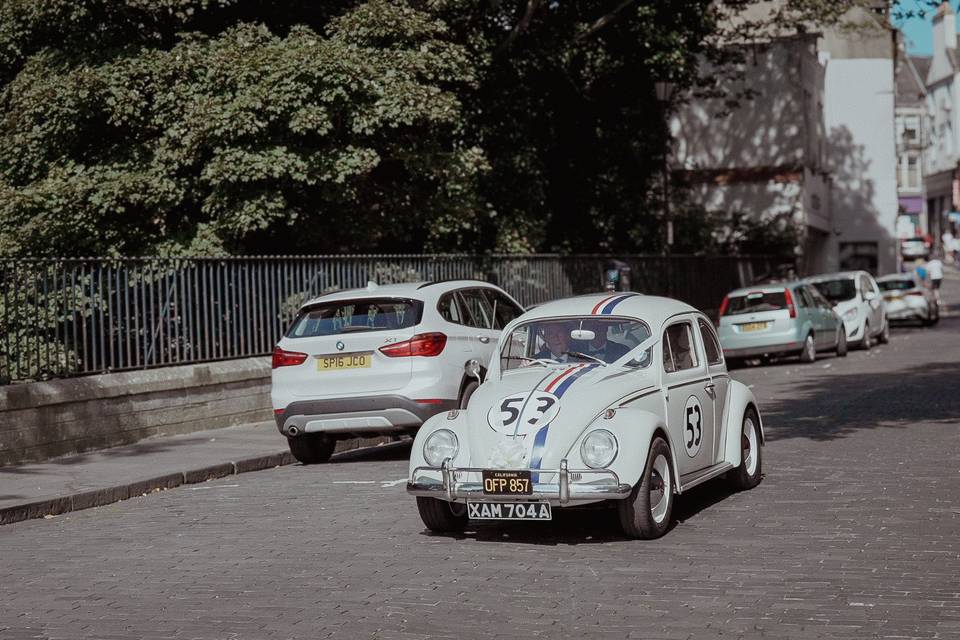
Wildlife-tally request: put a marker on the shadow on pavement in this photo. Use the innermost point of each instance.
(835, 406)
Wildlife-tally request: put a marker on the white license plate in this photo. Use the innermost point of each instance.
(509, 511)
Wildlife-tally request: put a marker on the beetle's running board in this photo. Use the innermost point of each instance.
(691, 480)
(449, 487)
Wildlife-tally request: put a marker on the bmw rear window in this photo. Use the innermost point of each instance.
(756, 301)
(354, 316)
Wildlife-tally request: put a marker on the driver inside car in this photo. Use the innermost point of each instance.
(556, 335)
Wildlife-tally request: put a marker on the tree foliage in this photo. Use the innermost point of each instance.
(205, 126)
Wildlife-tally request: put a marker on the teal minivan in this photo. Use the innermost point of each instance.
(782, 319)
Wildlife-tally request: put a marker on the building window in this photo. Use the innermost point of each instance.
(909, 175)
(911, 129)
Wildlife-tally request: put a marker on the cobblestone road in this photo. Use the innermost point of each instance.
(854, 533)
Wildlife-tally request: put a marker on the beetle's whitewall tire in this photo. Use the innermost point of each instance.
(647, 512)
(750, 471)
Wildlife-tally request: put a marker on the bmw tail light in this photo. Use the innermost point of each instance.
(915, 293)
(282, 358)
(790, 305)
(423, 344)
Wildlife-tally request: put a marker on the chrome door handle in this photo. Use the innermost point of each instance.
(483, 339)
(710, 388)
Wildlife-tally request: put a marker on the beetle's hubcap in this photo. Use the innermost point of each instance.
(659, 489)
(748, 446)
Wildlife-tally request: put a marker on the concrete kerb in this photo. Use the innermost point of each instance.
(100, 497)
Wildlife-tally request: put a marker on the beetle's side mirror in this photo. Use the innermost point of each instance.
(472, 369)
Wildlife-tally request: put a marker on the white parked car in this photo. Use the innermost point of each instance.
(619, 397)
(856, 299)
(382, 360)
(908, 299)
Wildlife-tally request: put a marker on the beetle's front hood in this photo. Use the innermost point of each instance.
(530, 418)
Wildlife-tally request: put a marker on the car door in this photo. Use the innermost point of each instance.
(815, 314)
(718, 377)
(690, 409)
(480, 319)
(831, 322)
(872, 300)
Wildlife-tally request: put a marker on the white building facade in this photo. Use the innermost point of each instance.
(817, 142)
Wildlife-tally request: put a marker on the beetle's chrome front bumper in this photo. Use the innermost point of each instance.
(448, 487)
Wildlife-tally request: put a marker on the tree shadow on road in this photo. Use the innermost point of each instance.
(836, 406)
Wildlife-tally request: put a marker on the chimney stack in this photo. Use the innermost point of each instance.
(944, 28)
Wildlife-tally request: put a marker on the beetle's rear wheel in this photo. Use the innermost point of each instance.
(646, 513)
(442, 516)
(748, 474)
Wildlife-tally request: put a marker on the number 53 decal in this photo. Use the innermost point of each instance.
(523, 413)
(692, 426)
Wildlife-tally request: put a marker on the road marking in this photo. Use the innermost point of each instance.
(384, 484)
(354, 482)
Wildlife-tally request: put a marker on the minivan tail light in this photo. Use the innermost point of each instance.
(790, 305)
(282, 358)
(724, 304)
(423, 344)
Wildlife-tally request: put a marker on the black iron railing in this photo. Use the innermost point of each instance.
(67, 317)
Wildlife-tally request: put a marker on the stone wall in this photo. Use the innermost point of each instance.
(43, 420)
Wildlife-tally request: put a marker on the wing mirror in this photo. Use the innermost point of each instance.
(472, 369)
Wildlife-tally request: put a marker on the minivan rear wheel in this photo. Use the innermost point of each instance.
(312, 448)
(809, 351)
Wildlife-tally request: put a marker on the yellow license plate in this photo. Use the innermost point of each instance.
(754, 326)
(342, 361)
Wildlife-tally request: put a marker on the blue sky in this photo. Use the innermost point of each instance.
(918, 32)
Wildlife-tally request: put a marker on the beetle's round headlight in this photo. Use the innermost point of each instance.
(440, 445)
(599, 449)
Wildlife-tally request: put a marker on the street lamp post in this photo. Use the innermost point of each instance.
(664, 90)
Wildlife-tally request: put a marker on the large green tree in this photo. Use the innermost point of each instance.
(199, 126)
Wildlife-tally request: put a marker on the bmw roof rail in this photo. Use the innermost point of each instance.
(433, 282)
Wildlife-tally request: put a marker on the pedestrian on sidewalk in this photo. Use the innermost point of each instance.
(920, 270)
(935, 270)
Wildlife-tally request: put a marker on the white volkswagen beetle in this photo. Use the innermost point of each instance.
(621, 397)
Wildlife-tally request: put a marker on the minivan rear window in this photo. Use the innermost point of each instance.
(354, 316)
(755, 302)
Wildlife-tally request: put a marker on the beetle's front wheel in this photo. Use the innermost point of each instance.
(748, 474)
(646, 513)
(442, 516)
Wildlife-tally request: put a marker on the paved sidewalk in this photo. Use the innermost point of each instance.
(102, 477)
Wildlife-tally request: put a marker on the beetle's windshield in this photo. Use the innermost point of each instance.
(579, 339)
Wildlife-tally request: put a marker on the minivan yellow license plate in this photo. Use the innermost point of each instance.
(754, 326)
(341, 361)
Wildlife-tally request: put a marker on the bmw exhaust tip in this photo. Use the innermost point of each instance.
(292, 431)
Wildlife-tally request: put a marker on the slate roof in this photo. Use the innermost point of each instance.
(911, 73)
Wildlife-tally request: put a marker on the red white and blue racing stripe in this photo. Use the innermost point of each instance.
(557, 386)
(606, 306)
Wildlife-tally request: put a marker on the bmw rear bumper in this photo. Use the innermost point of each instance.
(568, 488)
(360, 415)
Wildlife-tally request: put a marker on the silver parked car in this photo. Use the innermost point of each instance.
(779, 319)
(908, 299)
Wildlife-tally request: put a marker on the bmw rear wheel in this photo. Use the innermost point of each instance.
(748, 474)
(312, 448)
(646, 512)
(441, 516)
